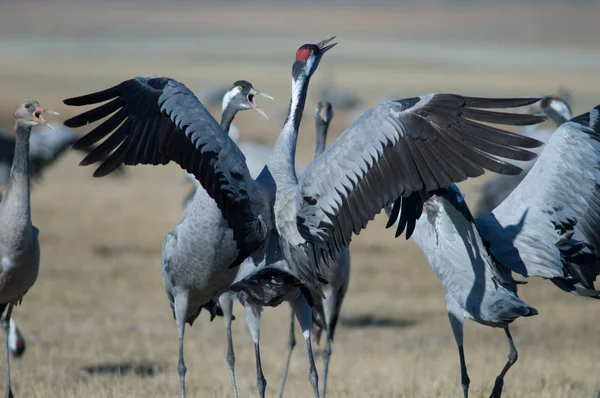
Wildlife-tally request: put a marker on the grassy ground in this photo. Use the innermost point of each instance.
(99, 303)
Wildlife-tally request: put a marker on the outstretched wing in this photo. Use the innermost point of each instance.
(398, 148)
(549, 226)
(157, 120)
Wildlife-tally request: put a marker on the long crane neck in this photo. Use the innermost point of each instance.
(18, 189)
(283, 157)
(321, 140)
(227, 116)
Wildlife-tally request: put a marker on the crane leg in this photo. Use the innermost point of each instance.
(291, 345)
(181, 307)
(304, 315)
(331, 309)
(326, 356)
(227, 305)
(513, 355)
(457, 324)
(253, 321)
(6, 327)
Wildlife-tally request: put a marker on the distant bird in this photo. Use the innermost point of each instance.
(46, 146)
(413, 145)
(549, 226)
(19, 244)
(200, 257)
(498, 188)
(326, 310)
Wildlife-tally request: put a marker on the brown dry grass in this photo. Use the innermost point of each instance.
(99, 297)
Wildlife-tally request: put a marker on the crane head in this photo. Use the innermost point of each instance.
(29, 113)
(553, 104)
(242, 96)
(324, 111)
(308, 57)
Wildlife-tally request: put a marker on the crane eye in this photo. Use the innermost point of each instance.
(27, 106)
(239, 88)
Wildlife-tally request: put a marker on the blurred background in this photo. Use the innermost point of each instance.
(98, 323)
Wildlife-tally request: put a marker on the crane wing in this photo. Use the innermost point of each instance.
(158, 120)
(402, 147)
(549, 226)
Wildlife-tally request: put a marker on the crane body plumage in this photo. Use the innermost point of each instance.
(200, 266)
(19, 244)
(475, 289)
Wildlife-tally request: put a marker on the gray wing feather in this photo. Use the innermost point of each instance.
(549, 226)
(157, 120)
(401, 147)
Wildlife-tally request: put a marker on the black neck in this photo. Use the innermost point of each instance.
(227, 117)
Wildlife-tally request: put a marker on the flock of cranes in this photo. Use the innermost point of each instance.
(260, 230)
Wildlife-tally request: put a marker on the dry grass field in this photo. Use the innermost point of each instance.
(98, 312)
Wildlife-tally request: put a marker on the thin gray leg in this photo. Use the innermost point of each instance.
(326, 356)
(181, 307)
(457, 325)
(227, 305)
(253, 321)
(331, 311)
(6, 327)
(304, 315)
(291, 345)
(513, 355)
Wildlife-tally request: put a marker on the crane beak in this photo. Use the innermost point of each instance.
(38, 115)
(323, 47)
(256, 92)
(253, 94)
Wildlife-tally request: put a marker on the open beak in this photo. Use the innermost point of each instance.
(38, 115)
(252, 100)
(323, 44)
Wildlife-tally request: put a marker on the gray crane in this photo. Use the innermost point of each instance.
(495, 190)
(19, 244)
(418, 144)
(549, 226)
(326, 310)
(199, 254)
